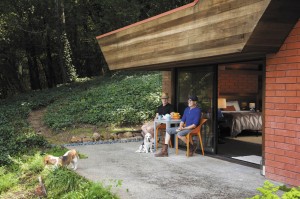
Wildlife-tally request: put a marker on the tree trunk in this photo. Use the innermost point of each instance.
(49, 72)
(33, 68)
(65, 53)
(60, 30)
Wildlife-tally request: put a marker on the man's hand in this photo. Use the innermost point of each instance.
(180, 128)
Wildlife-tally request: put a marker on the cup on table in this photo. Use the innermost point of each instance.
(168, 117)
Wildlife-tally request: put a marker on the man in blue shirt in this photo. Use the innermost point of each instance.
(191, 118)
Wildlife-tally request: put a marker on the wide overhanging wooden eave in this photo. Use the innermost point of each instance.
(202, 32)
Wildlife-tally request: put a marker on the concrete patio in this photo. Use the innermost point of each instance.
(145, 176)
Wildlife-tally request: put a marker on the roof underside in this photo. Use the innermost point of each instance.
(208, 31)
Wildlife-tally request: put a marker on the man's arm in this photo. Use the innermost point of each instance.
(187, 127)
(190, 127)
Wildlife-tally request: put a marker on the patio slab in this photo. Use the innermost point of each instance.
(145, 176)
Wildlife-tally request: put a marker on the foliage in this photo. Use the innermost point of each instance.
(90, 191)
(47, 43)
(124, 99)
(7, 180)
(16, 136)
(56, 150)
(65, 183)
(29, 165)
(14, 141)
(270, 191)
(96, 190)
(60, 183)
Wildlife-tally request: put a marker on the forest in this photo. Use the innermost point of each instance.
(48, 43)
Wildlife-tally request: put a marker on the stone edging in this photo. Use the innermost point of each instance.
(123, 140)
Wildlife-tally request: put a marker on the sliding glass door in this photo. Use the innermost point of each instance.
(200, 81)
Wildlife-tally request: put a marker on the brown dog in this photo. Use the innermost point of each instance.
(70, 157)
(52, 160)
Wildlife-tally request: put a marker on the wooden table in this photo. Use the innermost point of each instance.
(168, 125)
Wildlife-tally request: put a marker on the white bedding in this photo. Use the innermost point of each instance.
(242, 120)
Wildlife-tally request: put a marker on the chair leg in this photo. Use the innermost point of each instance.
(176, 144)
(187, 145)
(156, 139)
(201, 144)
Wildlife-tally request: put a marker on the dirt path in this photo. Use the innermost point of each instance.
(35, 120)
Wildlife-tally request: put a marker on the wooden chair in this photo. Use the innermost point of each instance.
(161, 127)
(195, 132)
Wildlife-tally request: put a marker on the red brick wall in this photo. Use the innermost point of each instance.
(237, 83)
(282, 112)
(166, 83)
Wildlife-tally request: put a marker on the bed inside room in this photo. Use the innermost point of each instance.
(240, 122)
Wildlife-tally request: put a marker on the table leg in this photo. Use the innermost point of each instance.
(155, 136)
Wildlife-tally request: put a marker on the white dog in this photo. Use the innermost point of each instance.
(146, 147)
(141, 149)
(148, 143)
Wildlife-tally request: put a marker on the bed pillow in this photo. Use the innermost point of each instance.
(229, 108)
(235, 104)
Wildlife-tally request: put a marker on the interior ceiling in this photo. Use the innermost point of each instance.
(241, 66)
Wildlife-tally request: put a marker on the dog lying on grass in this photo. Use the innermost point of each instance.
(70, 157)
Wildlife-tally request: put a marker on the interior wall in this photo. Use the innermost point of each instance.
(237, 82)
(240, 82)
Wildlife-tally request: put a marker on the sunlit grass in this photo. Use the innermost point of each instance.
(20, 179)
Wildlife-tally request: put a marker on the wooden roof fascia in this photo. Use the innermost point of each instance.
(149, 19)
(212, 32)
(274, 26)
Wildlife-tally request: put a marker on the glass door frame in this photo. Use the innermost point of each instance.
(214, 99)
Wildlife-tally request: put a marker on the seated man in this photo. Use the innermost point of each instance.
(164, 108)
(191, 119)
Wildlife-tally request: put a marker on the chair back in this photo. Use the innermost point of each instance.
(198, 128)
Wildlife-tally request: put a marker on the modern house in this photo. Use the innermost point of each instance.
(244, 51)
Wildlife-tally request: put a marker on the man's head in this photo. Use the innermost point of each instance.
(164, 98)
(192, 101)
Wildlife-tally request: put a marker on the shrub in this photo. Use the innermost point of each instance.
(90, 191)
(96, 190)
(270, 191)
(63, 180)
(60, 183)
(7, 180)
(64, 183)
(32, 164)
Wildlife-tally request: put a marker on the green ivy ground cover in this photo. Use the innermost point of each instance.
(124, 98)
